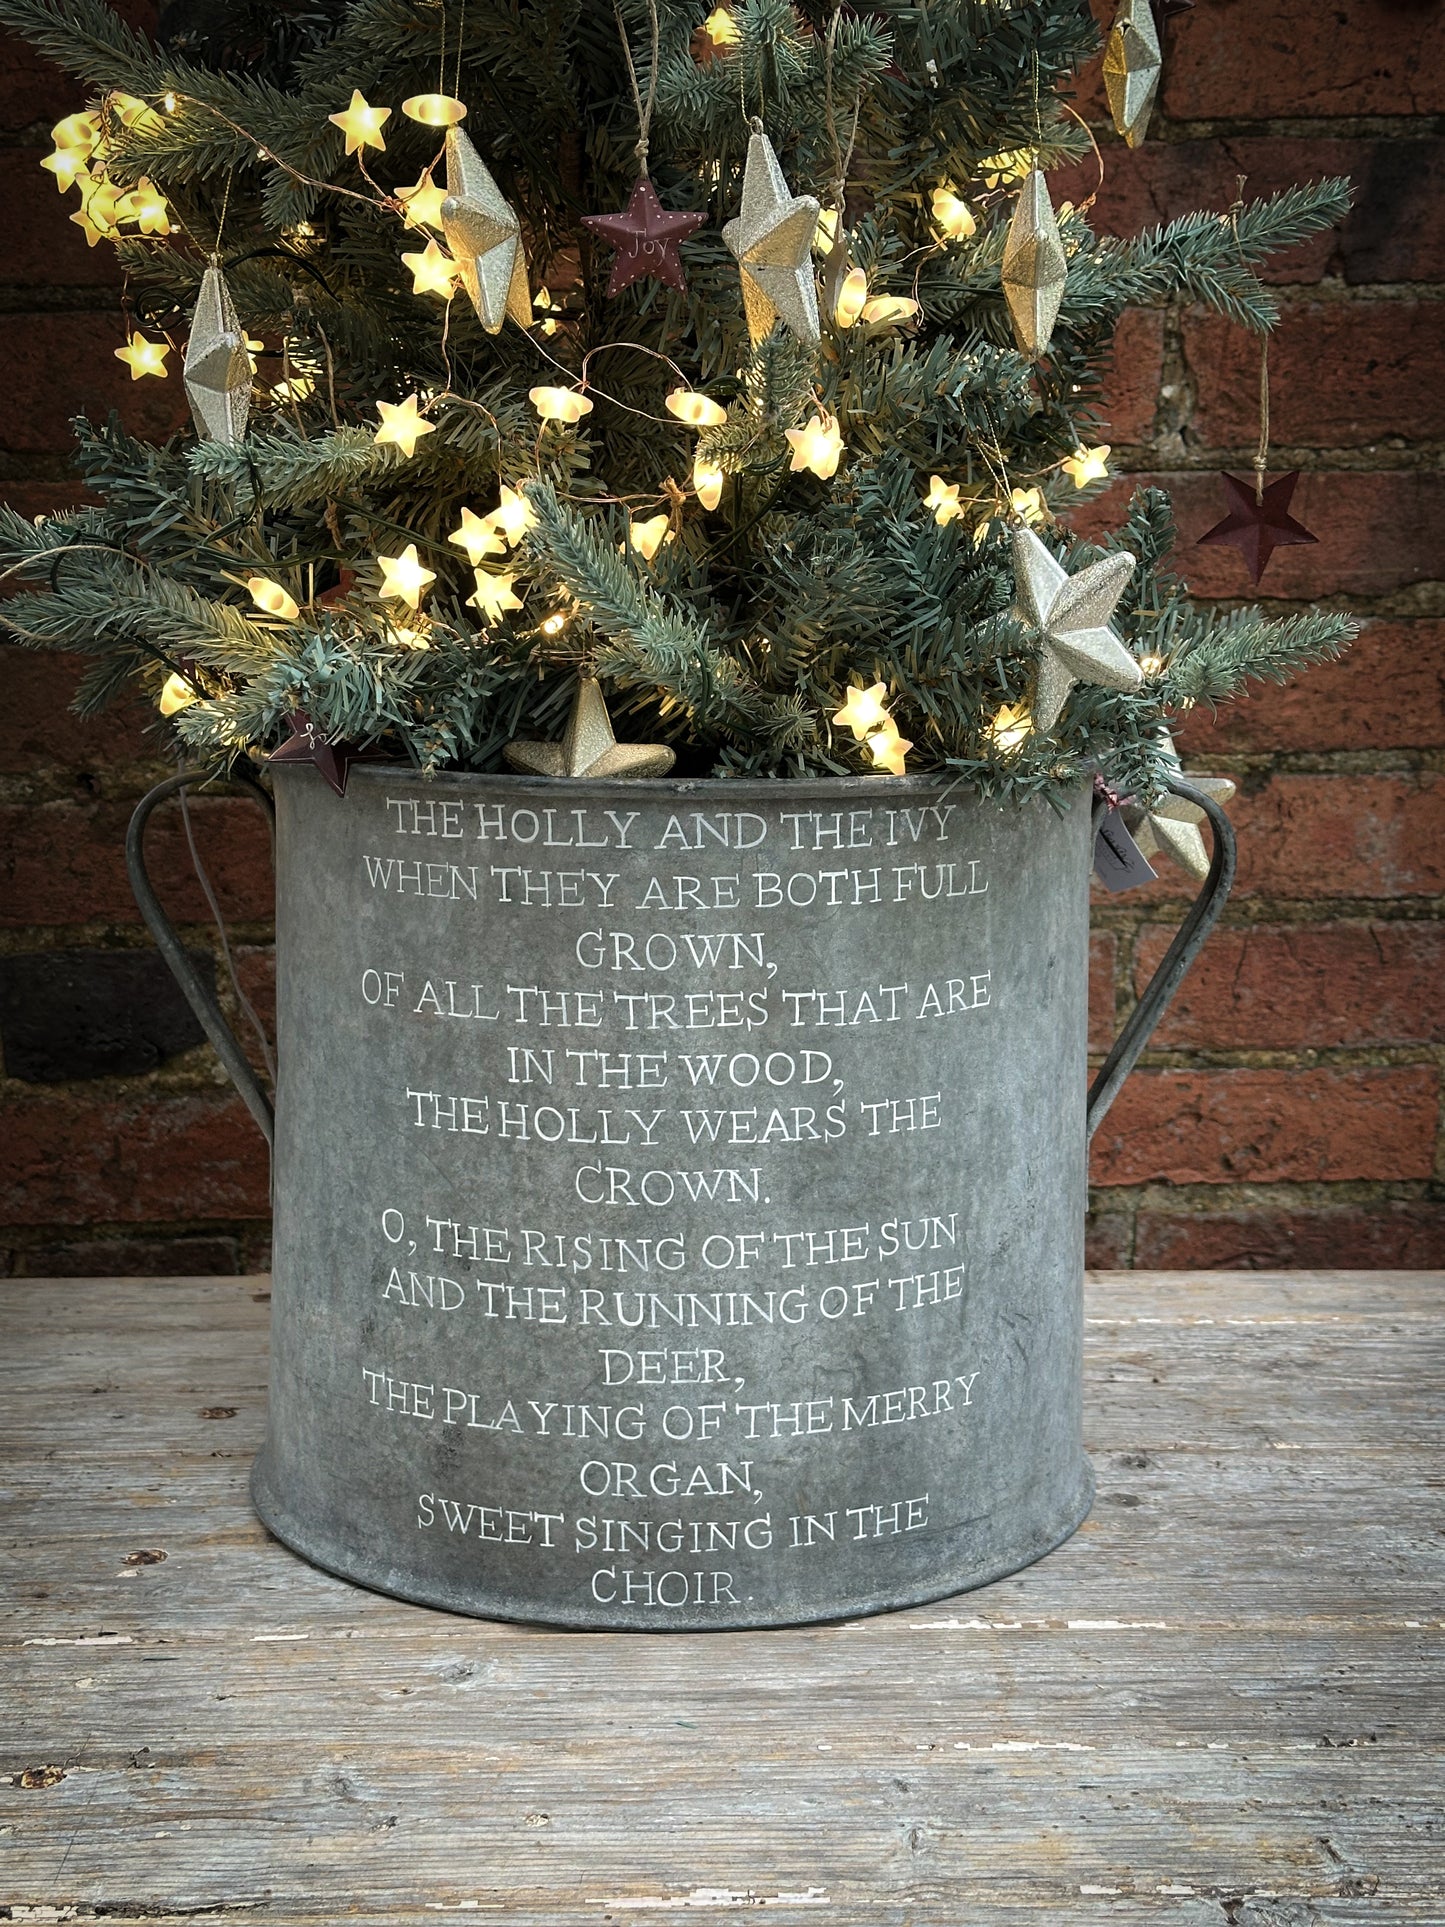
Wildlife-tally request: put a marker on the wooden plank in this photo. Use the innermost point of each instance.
(1219, 1703)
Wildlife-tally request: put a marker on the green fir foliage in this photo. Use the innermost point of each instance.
(739, 637)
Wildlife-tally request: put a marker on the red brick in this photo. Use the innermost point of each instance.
(1106, 1240)
(1390, 1235)
(37, 729)
(64, 863)
(40, 498)
(1386, 692)
(44, 247)
(1342, 373)
(1330, 836)
(182, 1257)
(1249, 1126)
(62, 365)
(69, 1160)
(256, 974)
(1103, 949)
(1376, 533)
(1238, 60)
(1131, 385)
(1310, 986)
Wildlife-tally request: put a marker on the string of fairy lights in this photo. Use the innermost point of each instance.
(470, 240)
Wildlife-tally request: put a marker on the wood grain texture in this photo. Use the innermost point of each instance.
(1219, 1704)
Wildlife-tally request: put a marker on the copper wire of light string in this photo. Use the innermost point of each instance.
(644, 110)
(1261, 453)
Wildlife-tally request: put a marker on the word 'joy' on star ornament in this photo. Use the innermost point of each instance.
(1035, 267)
(308, 745)
(1259, 521)
(646, 236)
(772, 240)
(1132, 64)
(1070, 616)
(1172, 823)
(485, 238)
(589, 747)
(218, 366)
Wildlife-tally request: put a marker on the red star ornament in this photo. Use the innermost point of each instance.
(645, 236)
(1166, 10)
(1258, 527)
(308, 745)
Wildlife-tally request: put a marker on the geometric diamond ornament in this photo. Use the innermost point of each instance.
(772, 239)
(1035, 267)
(1132, 64)
(217, 365)
(1070, 614)
(485, 238)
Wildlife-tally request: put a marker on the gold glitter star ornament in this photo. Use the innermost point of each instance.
(218, 365)
(1034, 267)
(1172, 823)
(485, 238)
(1070, 616)
(589, 747)
(772, 240)
(1132, 64)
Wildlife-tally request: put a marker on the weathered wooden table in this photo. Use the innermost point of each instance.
(1219, 1703)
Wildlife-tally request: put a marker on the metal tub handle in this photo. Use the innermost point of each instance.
(1203, 914)
(208, 1013)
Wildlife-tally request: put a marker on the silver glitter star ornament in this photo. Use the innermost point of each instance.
(772, 239)
(218, 364)
(485, 238)
(1070, 615)
(589, 747)
(1132, 64)
(1034, 267)
(1172, 823)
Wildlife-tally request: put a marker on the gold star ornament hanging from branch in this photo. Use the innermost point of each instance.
(772, 241)
(589, 747)
(1070, 614)
(485, 238)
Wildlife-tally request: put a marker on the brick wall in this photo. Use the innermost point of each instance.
(1290, 1112)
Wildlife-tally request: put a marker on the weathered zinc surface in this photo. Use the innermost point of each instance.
(1217, 1706)
(679, 1193)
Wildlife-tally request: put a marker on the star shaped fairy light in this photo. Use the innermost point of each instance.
(432, 272)
(403, 578)
(942, 498)
(647, 536)
(479, 536)
(1070, 616)
(772, 239)
(817, 445)
(67, 164)
(146, 206)
(1087, 465)
(361, 123)
(646, 236)
(485, 237)
(402, 424)
(863, 710)
(144, 357)
(888, 749)
(513, 515)
(494, 595)
(423, 203)
(1172, 823)
(589, 747)
(698, 411)
(1257, 525)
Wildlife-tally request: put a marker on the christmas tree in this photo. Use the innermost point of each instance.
(741, 362)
